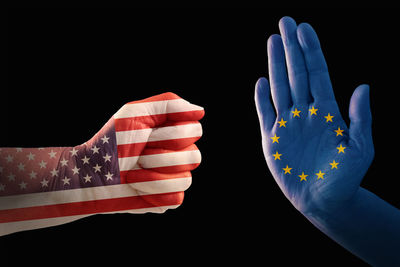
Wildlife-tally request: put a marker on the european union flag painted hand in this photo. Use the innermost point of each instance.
(317, 161)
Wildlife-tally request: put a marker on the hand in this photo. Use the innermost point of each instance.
(155, 141)
(140, 161)
(317, 161)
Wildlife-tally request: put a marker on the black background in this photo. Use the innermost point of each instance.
(69, 70)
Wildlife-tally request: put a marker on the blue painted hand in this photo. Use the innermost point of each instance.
(317, 161)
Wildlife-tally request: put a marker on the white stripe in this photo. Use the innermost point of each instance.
(154, 108)
(164, 186)
(95, 193)
(159, 134)
(159, 160)
(132, 137)
(12, 227)
(128, 163)
(170, 159)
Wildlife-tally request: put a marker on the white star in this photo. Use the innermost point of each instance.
(64, 162)
(2, 186)
(52, 154)
(11, 177)
(105, 139)
(109, 176)
(9, 158)
(33, 175)
(19, 149)
(44, 183)
(31, 156)
(66, 180)
(76, 170)
(42, 164)
(21, 167)
(107, 158)
(74, 152)
(95, 149)
(85, 160)
(23, 185)
(97, 168)
(87, 178)
(54, 172)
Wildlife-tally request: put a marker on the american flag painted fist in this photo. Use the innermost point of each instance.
(140, 161)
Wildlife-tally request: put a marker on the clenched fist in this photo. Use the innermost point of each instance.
(140, 161)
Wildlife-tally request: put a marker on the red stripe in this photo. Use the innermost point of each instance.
(179, 123)
(156, 147)
(194, 115)
(151, 121)
(154, 151)
(143, 175)
(140, 122)
(91, 207)
(173, 144)
(130, 150)
(176, 168)
(160, 97)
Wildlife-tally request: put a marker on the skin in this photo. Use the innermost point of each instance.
(315, 158)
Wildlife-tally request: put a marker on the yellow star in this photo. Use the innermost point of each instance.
(341, 148)
(313, 111)
(339, 132)
(287, 169)
(334, 164)
(296, 113)
(282, 123)
(277, 155)
(320, 175)
(303, 176)
(329, 117)
(275, 139)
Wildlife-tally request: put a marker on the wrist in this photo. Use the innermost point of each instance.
(335, 215)
(94, 163)
(367, 226)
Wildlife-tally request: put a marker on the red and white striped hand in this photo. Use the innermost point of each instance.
(156, 150)
(140, 161)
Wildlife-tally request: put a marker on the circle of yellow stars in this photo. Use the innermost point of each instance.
(328, 119)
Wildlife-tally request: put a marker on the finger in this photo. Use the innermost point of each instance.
(143, 175)
(170, 161)
(162, 160)
(318, 75)
(150, 182)
(296, 66)
(162, 202)
(265, 111)
(182, 110)
(280, 89)
(154, 111)
(163, 186)
(175, 135)
(360, 117)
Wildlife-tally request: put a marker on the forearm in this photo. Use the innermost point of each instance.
(35, 170)
(36, 184)
(32, 170)
(369, 227)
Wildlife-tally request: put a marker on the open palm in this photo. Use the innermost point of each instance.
(317, 161)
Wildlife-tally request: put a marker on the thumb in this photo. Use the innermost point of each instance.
(360, 118)
(265, 111)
